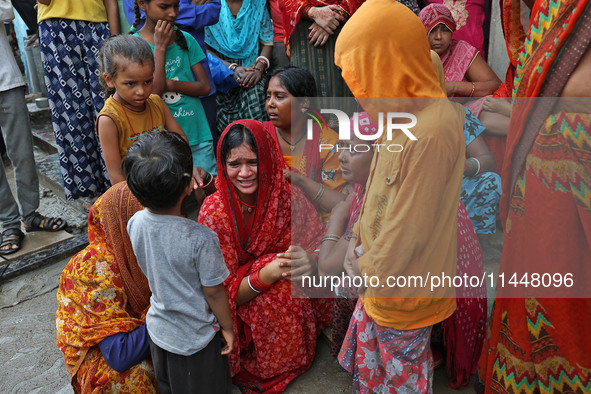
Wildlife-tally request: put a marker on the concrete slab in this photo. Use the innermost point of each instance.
(36, 241)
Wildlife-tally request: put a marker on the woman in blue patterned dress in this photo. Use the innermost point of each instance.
(71, 33)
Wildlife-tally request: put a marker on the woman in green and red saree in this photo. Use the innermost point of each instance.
(538, 344)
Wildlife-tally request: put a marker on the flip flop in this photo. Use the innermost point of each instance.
(42, 223)
(12, 237)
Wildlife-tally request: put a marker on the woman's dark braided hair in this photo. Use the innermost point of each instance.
(180, 38)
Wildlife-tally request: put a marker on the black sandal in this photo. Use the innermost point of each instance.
(42, 223)
(11, 237)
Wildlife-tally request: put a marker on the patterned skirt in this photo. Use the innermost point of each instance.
(240, 103)
(69, 51)
(465, 330)
(386, 360)
(541, 345)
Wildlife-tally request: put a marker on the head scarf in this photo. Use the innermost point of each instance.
(363, 55)
(271, 184)
(434, 14)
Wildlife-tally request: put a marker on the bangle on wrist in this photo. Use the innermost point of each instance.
(473, 165)
(250, 285)
(255, 283)
(306, 11)
(233, 66)
(319, 194)
(477, 165)
(473, 87)
(207, 181)
(331, 237)
(264, 61)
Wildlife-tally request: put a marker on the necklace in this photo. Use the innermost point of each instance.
(249, 208)
(291, 146)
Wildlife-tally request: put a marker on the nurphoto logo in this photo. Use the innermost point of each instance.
(393, 123)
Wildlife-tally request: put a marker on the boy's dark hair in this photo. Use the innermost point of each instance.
(236, 136)
(158, 168)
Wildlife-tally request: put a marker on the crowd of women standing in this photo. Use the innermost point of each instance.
(283, 209)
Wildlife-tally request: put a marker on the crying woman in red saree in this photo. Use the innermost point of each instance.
(252, 214)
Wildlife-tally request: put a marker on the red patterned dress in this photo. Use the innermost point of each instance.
(539, 344)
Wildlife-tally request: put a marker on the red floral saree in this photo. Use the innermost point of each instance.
(276, 333)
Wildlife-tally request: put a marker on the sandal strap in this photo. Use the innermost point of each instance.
(11, 232)
(48, 222)
(36, 221)
(12, 236)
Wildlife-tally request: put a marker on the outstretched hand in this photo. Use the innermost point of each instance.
(300, 261)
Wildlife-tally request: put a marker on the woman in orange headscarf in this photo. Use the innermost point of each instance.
(408, 221)
(104, 294)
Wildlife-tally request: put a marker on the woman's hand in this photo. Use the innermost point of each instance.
(163, 34)
(252, 76)
(318, 36)
(452, 87)
(245, 77)
(327, 17)
(199, 174)
(276, 270)
(300, 262)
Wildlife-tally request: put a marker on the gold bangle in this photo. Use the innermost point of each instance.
(331, 237)
(319, 194)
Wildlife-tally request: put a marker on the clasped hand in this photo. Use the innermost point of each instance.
(294, 263)
(247, 77)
